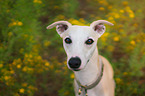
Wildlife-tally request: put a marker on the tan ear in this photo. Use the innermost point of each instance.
(61, 26)
(98, 26)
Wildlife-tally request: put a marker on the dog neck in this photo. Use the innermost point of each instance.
(90, 73)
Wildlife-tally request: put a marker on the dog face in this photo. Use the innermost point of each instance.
(79, 42)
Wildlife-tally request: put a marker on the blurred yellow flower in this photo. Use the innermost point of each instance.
(10, 34)
(125, 3)
(121, 11)
(6, 77)
(25, 69)
(131, 15)
(109, 7)
(37, 1)
(135, 25)
(110, 18)
(125, 73)
(118, 80)
(121, 30)
(1, 65)
(103, 39)
(132, 42)
(82, 20)
(24, 84)
(116, 38)
(72, 76)
(106, 34)
(18, 66)
(102, 8)
(14, 23)
(22, 90)
(12, 71)
(39, 57)
(56, 7)
(47, 64)
(116, 15)
(20, 23)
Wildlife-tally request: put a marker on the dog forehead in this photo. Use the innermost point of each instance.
(81, 31)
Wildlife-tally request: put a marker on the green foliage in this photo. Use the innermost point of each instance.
(32, 59)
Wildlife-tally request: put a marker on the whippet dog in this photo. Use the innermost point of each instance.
(93, 73)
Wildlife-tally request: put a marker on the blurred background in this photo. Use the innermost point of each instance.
(33, 61)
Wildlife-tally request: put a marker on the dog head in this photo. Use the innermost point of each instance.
(79, 41)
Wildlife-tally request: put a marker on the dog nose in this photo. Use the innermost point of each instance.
(74, 63)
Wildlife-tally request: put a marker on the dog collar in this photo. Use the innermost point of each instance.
(92, 85)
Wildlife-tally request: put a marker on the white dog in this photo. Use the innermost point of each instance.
(93, 73)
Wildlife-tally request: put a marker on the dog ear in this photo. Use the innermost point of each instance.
(61, 26)
(98, 26)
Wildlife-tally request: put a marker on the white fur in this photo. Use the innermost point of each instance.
(88, 71)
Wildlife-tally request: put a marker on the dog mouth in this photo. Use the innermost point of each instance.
(78, 69)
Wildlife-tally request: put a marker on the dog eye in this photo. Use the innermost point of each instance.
(89, 41)
(68, 40)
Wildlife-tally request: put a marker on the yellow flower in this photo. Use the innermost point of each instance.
(106, 34)
(1, 65)
(82, 20)
(60, 17)
(101, 2)
(116, 38)
(116, 15)
(18, 66)
(72, 76)
(131, 15)
(25, 69)
(118, 80)
(12, 71)
(135, 25)
(125, 3)
(37, 1)
(121, 30)
(10, 34)
(102, 8)
(132, 42)
(110, 18)
(47, 64)
(7, 77)
(109, 7)
(39, 58)
(20, 23)
(56, 7)
(14, 23)
(125, 73)
(24, 84)
(121, 11)
(22, 90)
